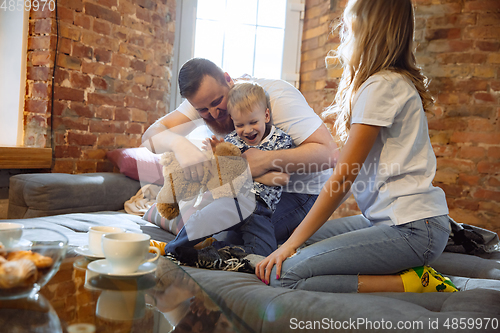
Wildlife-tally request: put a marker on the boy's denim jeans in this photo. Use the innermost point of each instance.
(256, 233)
(344, 248)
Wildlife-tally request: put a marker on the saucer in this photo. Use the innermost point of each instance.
(84, 251)
(103, 267)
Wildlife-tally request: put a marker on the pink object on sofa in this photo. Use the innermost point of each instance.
(138, 163)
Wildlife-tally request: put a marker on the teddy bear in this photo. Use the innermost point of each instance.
(225, 177)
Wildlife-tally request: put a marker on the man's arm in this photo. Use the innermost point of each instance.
(168, 134)
(318, 152)
(273, 178)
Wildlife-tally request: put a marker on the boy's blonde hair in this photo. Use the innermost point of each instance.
(381, 38)
(245, 96)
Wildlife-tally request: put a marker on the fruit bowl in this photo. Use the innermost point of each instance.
(28, 264)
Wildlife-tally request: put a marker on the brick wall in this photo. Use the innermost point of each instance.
(111, 79)
(458, 49)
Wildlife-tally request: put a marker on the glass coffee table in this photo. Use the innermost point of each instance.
(78, 300)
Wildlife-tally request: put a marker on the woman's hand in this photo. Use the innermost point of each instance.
(264, 268)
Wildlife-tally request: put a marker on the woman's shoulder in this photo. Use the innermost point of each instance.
(389, 80)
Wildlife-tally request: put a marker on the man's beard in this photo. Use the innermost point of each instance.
(220, 129)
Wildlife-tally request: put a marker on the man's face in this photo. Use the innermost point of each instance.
(211, 103)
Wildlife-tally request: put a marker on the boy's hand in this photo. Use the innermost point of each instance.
(211, 143)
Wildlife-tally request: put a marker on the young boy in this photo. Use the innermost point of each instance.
(248, 106)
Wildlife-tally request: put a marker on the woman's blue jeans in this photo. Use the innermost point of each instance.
(347, 247)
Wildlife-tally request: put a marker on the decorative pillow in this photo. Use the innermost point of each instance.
(138, 163)
(173, 226)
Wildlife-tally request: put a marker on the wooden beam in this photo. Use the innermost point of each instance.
(25, 158)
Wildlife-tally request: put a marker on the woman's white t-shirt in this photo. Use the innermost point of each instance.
(291, 114)
(394, 185)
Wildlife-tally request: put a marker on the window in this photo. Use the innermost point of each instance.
(257, 37)
(13, 41)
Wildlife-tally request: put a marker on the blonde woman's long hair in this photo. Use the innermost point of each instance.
(376, 35)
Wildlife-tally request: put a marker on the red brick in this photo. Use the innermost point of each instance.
(82, 110)
(82, 20)
(79, 81)
(148, 4)
(472, 84)
(82, 51)
(487, 46)
(45, 26)
(40, 90)
(105, 99)
(108, 3)
(97, 40)
(135, 128)
(140, 103)
(481, 97)
(84, 167)
(106, 140)
(143, 14)
(76, 5)
(448, 124)
(466, 179)
(482, 32)
(105, 112)
(139, 91)
(42, 58)
(494, 153)
(41, 42)
(60, 107)
(42, 12)
(68, 94)
(461, 165)
(467, 204)
(452, 33)
(104, 166)
(69, 31)
(488, 167)
(94, 154)
(138, 65)
(38, 73)
(157, 95)
(482, 5)
(494, 181)
(69, 62)
(65, 14)
(123, 86)
(138, 115)
(36, 106)
(63, 166)
(102, 13)
(487, 195)
(122, 114)
(475, 137)
(472, 153)
(102, 55)
(100, 69)
(67, 151)
(102, 27)
(65, 46)
(60, 76)
(81, 139)
(120, 60)
(100, 83)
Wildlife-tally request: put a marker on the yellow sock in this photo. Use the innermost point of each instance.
(425, 279)
(158, 244)
(205, 243)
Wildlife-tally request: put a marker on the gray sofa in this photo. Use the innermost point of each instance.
(72, 203)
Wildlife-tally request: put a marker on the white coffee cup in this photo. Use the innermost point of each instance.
(10, 233)
(125, 252)
(121, 305)
(95, 237)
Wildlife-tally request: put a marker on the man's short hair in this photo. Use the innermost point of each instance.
(193, 71)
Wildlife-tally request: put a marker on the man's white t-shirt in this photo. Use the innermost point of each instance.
(291, 114)
(394, 185)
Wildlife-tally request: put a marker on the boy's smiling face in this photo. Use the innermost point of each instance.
(250, 125)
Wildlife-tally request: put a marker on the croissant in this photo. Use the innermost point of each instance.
(39, 260)
(17, 273)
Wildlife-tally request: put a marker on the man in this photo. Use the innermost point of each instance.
(205, 87)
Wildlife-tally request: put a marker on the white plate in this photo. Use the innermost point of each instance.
(84, 251)
(103, 267)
